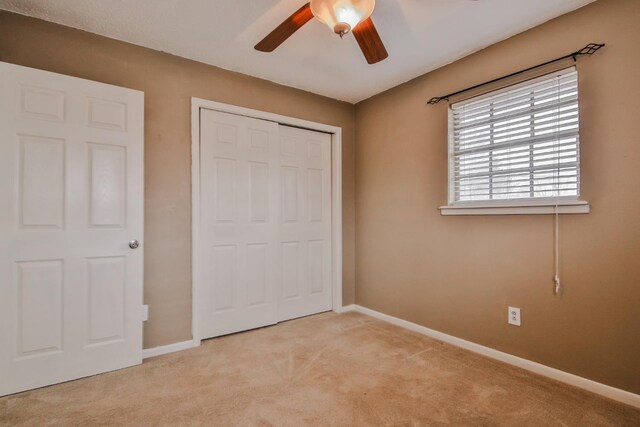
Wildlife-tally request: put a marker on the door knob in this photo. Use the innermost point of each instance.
(134, 244)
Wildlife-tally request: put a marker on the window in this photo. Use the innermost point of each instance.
(517, 146)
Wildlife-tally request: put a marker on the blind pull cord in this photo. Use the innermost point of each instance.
(556, 228)
(556, 277)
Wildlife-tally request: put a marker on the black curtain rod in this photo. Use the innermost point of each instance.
(589, 49)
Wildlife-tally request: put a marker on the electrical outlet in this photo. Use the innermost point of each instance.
(514, 316)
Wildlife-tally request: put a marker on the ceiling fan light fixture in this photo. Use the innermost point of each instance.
(342, 15)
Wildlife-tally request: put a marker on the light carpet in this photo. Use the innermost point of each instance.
(322, 370)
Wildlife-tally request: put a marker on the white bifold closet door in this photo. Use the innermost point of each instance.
(71, 200)
(265, 222)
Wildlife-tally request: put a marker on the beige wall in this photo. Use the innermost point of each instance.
(169, 82)
(458, 274)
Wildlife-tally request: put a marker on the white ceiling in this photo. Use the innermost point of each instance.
(420, 35)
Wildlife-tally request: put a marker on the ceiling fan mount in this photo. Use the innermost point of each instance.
(342, 16)
(341, 29)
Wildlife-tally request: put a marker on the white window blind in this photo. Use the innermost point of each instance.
(517, 143)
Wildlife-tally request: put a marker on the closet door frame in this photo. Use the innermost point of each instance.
(336, 195)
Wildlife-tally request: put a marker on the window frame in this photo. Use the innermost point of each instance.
(532, 205)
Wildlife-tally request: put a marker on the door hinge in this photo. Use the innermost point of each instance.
(145, 313)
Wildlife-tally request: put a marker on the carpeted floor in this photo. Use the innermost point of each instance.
(327, 369)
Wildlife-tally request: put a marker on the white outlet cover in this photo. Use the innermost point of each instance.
(513, 316)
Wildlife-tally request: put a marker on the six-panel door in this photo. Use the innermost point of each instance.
(305, 223)
(239, 223)
(71, 198)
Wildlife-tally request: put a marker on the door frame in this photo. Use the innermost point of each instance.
(336, 195)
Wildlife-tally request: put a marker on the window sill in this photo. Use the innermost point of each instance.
(546, 208)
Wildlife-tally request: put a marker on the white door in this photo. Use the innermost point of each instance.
(71, 199)
(265, 223)
(239, 223)
(305, 223)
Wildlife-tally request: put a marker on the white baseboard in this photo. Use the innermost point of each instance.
(347, 308)
(169, 348)
(556, 374)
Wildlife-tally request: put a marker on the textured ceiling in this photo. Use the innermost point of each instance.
(420, 35)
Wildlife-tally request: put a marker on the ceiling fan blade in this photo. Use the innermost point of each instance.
(286, 29)
(369, 41)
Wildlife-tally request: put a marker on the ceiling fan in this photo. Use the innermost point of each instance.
(342, 16)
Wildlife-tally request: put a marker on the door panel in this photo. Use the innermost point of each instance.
(290, 270)
(305, 227)
(71, 195)
(106, 282)
(40, 308)
(41, 191)
(107, 187)
(257, 274)
(239, 196)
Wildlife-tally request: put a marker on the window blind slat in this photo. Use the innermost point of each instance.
(524, 158)
(507, 150)
(513, 131)
(520, 192)
(526, 99)
(524, 120)
(541, 178)
(569, 101)
(521, 170)
(514, 183)
(516, 138)
(511, 155)
(554, 136)
(562, 82)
